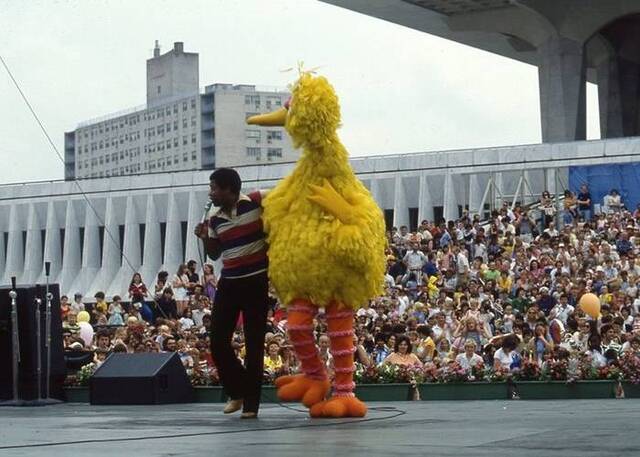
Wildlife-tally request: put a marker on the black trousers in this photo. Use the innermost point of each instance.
(249, 295)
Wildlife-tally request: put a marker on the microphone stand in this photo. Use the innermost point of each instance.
(15, 346)
(47, 341)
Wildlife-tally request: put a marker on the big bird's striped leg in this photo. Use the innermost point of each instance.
(312, 385)
(343, 402)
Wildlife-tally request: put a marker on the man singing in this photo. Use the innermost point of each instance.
(235, 232)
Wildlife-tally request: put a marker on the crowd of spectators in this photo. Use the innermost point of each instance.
(503, 295)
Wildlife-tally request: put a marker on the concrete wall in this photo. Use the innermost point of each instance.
(147, 217)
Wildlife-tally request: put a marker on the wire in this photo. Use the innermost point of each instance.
(75, 181)
(316, 424)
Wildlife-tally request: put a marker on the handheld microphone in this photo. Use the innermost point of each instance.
(207, 207)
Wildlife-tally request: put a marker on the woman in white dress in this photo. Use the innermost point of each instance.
(179, 284)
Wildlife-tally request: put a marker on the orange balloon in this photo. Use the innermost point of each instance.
(590, 304)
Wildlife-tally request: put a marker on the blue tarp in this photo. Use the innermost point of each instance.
(625, 178)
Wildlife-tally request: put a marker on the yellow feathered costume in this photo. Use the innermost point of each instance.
(326, 245)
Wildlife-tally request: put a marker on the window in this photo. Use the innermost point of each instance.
(184, 106)
(175, 109)
(252, 99)
(193, 138)
(253, 135)
(168, 127)
(176, 159)
(194, 156)
(184, 140)
(175, 125)
(184, 123)
(158, 89)
(193, 103)
(274, 135)
(253, 152)
(274, 153)
(175, 142)
(193, 121)
(167, 111)
(185, 157)
(106, 158)
(168, 144)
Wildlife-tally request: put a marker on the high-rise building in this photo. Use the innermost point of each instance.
(180, 127)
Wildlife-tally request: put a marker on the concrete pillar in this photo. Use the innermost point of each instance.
(476, 191)
(173, 255)
(375, 192)
(71, 261)
(196, 214)
(562, 77)
(33, 249)
(152, 260)
(400, 207)
(498, 190)
(15, 256)
(52, 246)
(425, 202)
(629, 76)
(609, 102)
(110, 250)
(450, 203)
(131, 258)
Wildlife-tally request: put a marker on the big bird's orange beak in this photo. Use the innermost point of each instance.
(274, 118)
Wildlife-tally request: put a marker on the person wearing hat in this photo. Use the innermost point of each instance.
(546, 302)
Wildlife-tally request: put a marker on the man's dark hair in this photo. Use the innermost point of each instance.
(99, 295)
(227, 178)
(191, 263)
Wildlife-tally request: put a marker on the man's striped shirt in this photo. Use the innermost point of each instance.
(241, 236)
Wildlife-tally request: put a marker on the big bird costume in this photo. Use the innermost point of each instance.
(326, 247)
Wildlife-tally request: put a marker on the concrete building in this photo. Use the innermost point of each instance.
(96, 233)
(571, 41)
(179, 128)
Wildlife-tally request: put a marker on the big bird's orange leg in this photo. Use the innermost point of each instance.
(312, 385)
(343, 402)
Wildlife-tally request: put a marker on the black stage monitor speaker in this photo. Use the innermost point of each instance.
(28, 367)
(141, 379)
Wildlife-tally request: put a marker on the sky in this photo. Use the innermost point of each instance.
(400, 90)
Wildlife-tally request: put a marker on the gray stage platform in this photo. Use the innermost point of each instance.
(480, 428)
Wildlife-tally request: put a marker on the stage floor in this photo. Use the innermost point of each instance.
(474, 428)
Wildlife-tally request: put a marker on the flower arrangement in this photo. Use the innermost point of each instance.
(201, 377)
(554, 370)
(530, 371)
(499, 375)
(366, 375)
(84, 374)
(452, 372)
(429, 372)
(611, 372)
(478, 372)
(630, 367)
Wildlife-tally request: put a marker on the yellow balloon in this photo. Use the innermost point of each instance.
(590, 304)
(83, 316)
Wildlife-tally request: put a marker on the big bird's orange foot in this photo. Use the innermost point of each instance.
(339, 407)
(301, 388)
